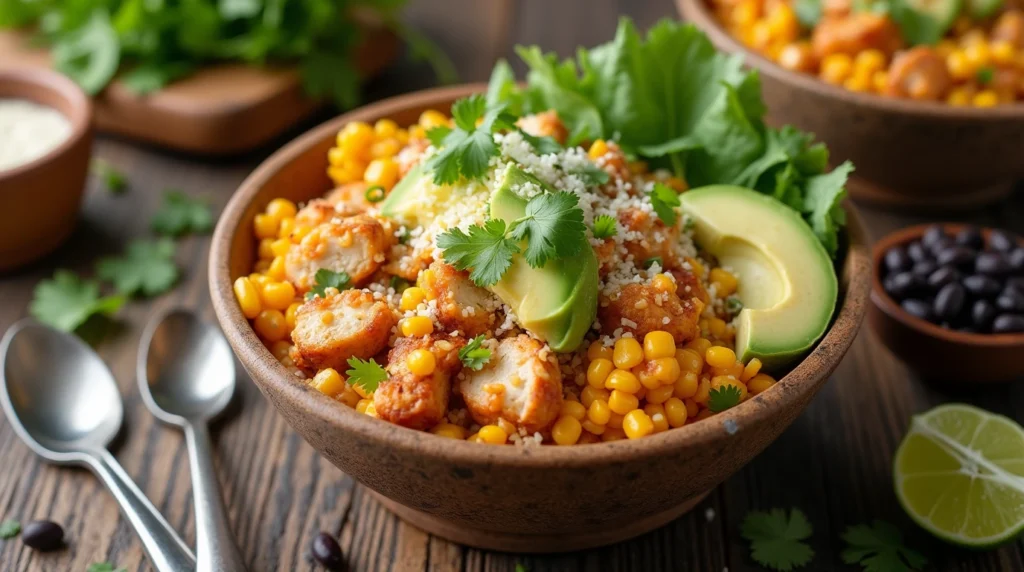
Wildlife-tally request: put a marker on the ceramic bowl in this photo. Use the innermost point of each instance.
(520, 499)
(896, 145)
(937, 353)
(40, 200)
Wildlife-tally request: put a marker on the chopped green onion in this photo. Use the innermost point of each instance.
(375, 194)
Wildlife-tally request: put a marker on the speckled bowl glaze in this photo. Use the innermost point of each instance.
(40, 200)
(938, 354)
(909, 155)
(519, 499)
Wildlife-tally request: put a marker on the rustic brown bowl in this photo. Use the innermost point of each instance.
(541, 499)
(909, 155)
(937, 353)
(40, 200)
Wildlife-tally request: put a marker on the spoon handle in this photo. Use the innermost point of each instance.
(215, 546)
(166, 551)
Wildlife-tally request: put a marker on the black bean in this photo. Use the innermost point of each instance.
(327, 552)
(932, 234)
(943, 276)
(941, 244)
(896, 259)
(955, 256)
(1016, 282)
(1002, 241)
(43, 535)
(904, 284)
(924, 269)
(1010, 300)
(971, 237)
(949, 301)
(1016, 260)
(982, 314)
(918, 308)
(1006, 323)
(981, 285)
(991, 263)
(917, 252)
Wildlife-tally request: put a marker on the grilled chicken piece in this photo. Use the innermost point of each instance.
(642, 308)
(416, 401)
(331, 329)
(357, 245)
(461, 305)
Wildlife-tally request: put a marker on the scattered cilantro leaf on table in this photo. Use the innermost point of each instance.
(367, 374)
(485, 250)
(473, 355)
(325, 278)
(90, 53)
(777, 540)
(9, 529)
(103, 567)
(66, 301)
(605, 226)
(664, 200)
(724, 397)
(147, 266)
(552, 224)
(878, 547)
(180, 214)
(466, 149)
(113, 179)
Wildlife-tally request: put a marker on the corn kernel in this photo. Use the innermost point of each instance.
(383, 172)
(627, 353)
(1003, 53)
(659, 344)
(506, 426)
(421, 362)
(592, 428)
(675, 412)
(280, 246)
(385, 149)
(686, 386)
(567, 430)
(660, 394)
(835, 68)
(637, 424)
(622, 402)
(285, 229)
(329, 382)
(349, 397)
(574, 409)
(978, 55)
(355, 138)
(760, 383)
(361, 391)
(985, 98)
(431, 118)
(958, 66)
(362, 405)
(276, 270)
(598, 371)
(664, 283)
(385, 128)
(720, 381)
(612, 435)
(689, 360)
(880, 81)
(699, 345)
(599, 412)
(412, 297)
(492, 435)
(704, 414)
(289, 315)
(270, 325)
(692, 408)
(417, 326)
(703, 391)
(657, 414)
(589, 394)
(449, 430)
(751, 369)
(248, 297)
(858, 82)
(868, 62)
(265, 226)
(723, 281)
(615, 420)
(265, 250)
(718, 328)
(280, 349)
(599, 350)
(783, 23)
(277, 295)
(281, 208)
(597, 149)
(718, 356)
(622, 380)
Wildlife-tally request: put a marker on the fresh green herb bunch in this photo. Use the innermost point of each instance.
(157, 41)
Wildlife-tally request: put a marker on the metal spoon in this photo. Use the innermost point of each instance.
(61, 399)
(186, 376)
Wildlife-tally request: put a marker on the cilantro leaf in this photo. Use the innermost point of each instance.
(9, 529)
(776, 541)
(592, 175)
(985, 75)
(90, 53)
(664, 200)
(103, 567)
(551, 227)
(180, 214)
(486, 250)
(147, 267)
(878, 547)
(605, 226)
(542, 145)
(325, 278)
(466, 150)
(823, 205)
(114, 180)
(473, 355)
(66, 301)
(367, 374)
(724, 397)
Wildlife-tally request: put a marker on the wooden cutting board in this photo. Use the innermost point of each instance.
(220, 110)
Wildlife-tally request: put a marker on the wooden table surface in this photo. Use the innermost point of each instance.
(834, 463)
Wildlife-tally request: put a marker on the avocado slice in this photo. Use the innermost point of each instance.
(416, 199)
(402, 193)
(558, 302)
(786, 279)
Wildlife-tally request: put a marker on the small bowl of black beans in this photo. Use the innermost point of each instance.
(948, 300)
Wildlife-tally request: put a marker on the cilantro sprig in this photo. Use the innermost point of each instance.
(664, 200)
(66, 301)
(724, 397)
(367, 374)
(114, 180)
(604, 226)
(146, 267)
(326, 278)
(878, 547)
(181, 214)
(777, 540)
(551, 229)
(9, 529)
(466, 149)
(473, 355)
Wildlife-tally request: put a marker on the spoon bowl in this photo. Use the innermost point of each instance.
(186, 368)
(60, 397)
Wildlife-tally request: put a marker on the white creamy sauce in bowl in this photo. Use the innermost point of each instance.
(29, 130)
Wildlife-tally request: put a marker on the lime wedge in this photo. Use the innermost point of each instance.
(960, 474)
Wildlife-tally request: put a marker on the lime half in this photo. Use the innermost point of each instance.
(960, 474)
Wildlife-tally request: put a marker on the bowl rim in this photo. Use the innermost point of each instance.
(697, 12)
(794, 386)
(884, 302)
(80, 115)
